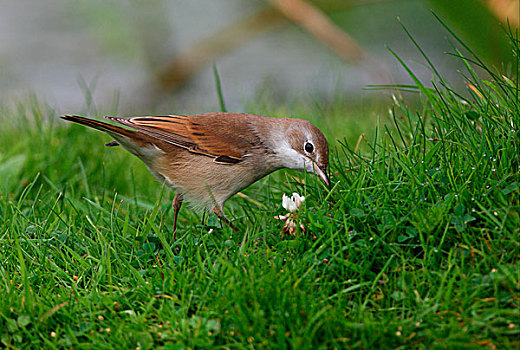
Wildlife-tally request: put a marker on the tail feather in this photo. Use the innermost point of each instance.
(132, 140)
(113, 130)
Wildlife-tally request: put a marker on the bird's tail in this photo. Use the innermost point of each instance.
(133, 141)
(105, 127)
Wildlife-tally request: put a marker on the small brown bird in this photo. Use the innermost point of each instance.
(207, 158)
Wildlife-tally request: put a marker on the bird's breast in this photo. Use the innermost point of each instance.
(206, 183)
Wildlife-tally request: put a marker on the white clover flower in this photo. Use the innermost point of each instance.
(292, 203)
(287, 203)
(292, 221)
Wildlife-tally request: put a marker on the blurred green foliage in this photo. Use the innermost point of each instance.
(470, 19)
(478, 26)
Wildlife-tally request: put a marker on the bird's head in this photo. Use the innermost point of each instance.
(304, 147)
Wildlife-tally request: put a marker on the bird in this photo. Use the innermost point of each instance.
(207, 158)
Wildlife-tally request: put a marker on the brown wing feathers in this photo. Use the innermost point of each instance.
(215, 137)
(166, 128)
(202, 134)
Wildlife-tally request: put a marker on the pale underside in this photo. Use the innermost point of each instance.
(210, 184)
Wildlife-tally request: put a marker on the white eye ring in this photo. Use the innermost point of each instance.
(308, 147)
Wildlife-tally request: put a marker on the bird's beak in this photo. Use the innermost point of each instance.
(321, 173)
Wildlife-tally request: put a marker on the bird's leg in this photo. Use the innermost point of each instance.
(176, 205)
(220, 214)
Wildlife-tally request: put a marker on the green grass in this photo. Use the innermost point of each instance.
(416, 242)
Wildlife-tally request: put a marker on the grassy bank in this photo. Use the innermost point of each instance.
(414, 246)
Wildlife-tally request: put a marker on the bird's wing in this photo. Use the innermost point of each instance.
(227, 137)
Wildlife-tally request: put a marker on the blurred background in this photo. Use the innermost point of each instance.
(159, 56)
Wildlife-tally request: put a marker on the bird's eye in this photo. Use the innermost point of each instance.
(308, 147)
